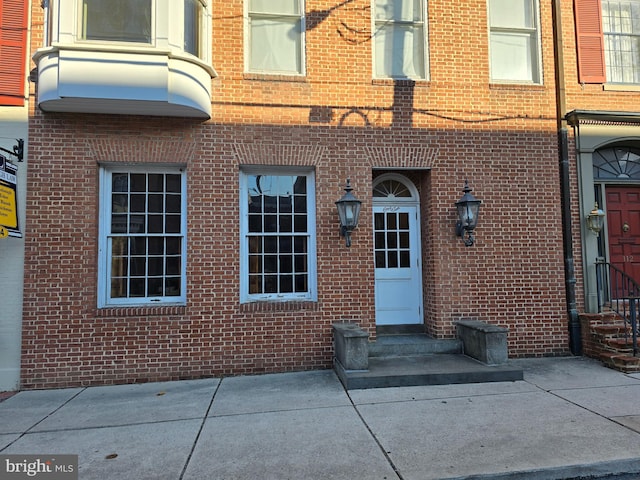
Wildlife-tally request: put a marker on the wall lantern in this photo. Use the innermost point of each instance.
(595, 220)
(468, 209)
(348, 211)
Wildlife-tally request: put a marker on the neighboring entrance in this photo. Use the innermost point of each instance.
(397, 257)
(623, 226)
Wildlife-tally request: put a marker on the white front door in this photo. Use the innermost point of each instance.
(398, 272)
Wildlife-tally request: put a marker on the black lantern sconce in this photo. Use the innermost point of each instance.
(595, 220)
(468, 209)
(348, 211)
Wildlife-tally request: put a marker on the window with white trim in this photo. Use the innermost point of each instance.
(514, 41)
(194, 17)
(400, 39)
(117, 20)
(275, 32)
(278, 245)
(142, 240)
(621, 28)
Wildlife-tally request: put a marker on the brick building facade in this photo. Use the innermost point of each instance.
(169, 238)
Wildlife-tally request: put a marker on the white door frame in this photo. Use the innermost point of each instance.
(395, 193)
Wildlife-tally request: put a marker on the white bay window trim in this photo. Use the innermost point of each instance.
(170, 75)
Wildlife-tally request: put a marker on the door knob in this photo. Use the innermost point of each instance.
(625, 227)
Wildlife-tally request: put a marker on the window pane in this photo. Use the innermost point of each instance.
(193, 12)
(512, 13)
(408, 10)
(172, 286)
(621, 24)
(276, 45)
(511, 57)
(138, 203)
(291, 7)
(400, 51)
(156, 183)
(117, 20)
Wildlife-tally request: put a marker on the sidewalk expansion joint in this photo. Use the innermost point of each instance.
(375, 439)
(195, 440)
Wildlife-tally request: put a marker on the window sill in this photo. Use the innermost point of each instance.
(278, 306)
(621, 87)
(517, 86)
(140, 311)
(268, 77)
(403, 82)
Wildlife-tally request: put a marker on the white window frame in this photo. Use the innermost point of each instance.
(535, 53)
(104, 234)
(311, 293)
(619, 70)
(377, 25)
(301, 18)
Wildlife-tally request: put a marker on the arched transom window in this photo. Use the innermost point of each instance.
(620, 163)
(393, 188)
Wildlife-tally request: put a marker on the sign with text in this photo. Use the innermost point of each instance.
(8, 200)
(26, 467)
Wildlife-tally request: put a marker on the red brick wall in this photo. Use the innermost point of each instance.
(341, 123)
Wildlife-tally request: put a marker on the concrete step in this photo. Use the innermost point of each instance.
(432, 369)
(412, 344)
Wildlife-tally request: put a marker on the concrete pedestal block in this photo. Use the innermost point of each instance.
(483, 341)
(351, 346)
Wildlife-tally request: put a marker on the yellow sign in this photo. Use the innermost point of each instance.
(8, 212)
(8, 200)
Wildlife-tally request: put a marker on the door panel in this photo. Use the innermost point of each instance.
(398, 278)
(623, 224)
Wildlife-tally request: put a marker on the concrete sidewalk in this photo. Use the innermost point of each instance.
(569, 418)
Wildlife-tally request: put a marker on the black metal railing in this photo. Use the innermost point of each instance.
(621, 293)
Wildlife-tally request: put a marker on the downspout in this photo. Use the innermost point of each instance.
(575, 331)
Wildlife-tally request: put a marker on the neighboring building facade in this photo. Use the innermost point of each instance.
(14, 50)
(186, 156)
(601, 105)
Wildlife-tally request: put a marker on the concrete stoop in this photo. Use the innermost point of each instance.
(403, 360)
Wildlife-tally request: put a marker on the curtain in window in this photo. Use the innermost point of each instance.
(399, 39)
(514, 40)
(275, 36)
(621, 25)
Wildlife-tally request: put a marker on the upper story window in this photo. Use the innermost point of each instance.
(117, 20)
(276, 36)
(400, 32)
(621, 28)
(514, 41)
